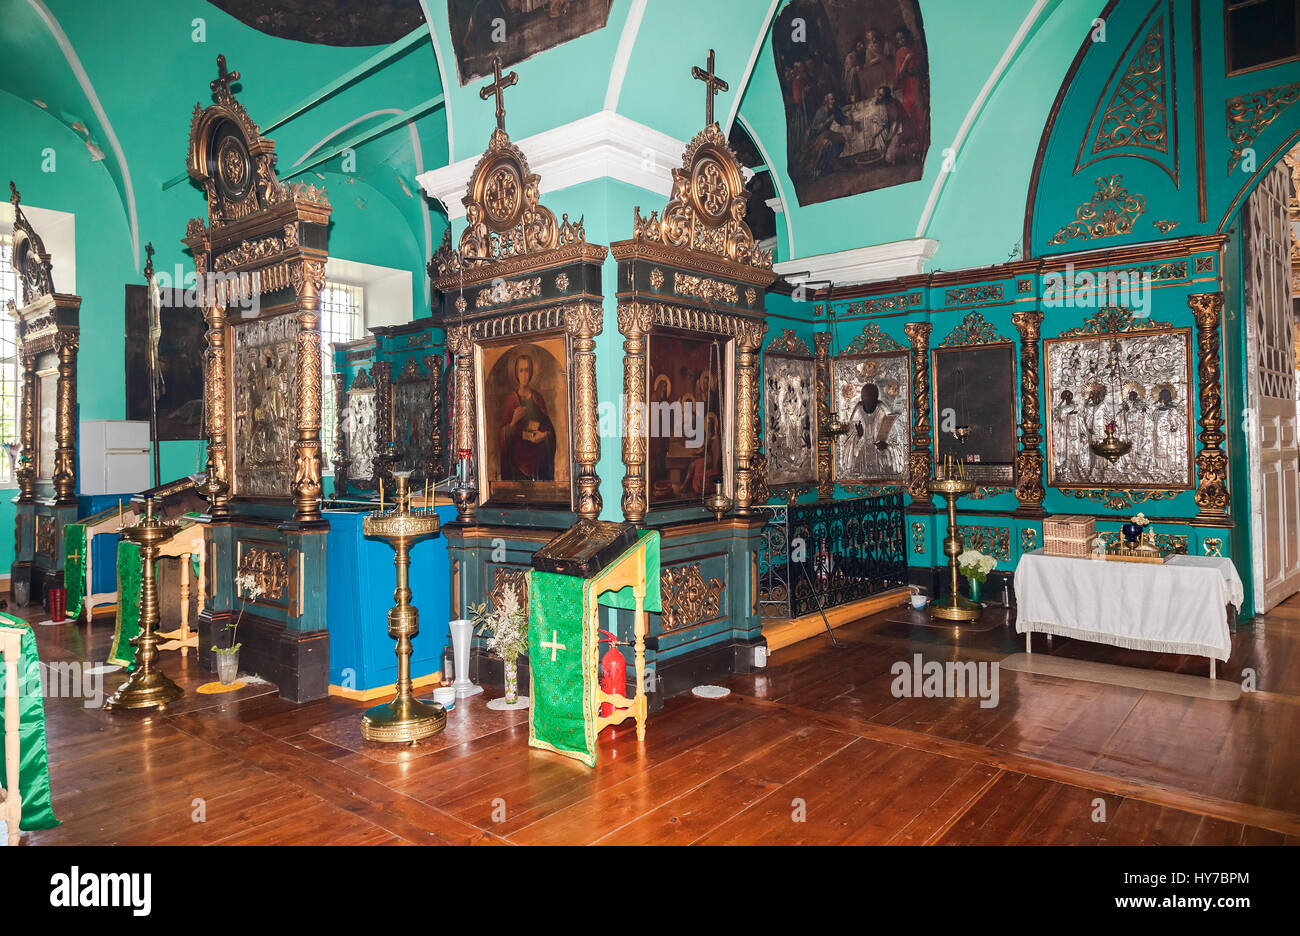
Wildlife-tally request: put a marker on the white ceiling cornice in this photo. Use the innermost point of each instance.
(862, 264)
(604, 145)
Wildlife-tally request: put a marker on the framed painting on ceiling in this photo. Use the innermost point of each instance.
(855, 80)
(516, 29)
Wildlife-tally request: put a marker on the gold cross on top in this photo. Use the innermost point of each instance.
(497, 87)
(224, 78)
(712, 85)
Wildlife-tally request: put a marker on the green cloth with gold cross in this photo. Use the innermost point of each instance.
(561, 663)
(74, 567)
(33, 759)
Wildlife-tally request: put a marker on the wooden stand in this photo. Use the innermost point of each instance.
(628, 570)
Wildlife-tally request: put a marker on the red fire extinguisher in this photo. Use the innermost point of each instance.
(613, 671)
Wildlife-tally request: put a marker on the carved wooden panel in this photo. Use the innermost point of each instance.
(262, 362)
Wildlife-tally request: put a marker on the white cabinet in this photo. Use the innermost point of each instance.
(114, 456)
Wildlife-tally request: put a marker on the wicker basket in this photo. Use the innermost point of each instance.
(1069, 535)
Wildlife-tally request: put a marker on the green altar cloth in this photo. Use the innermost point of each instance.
(33, 768)
(74, 567)
(561, 651)
(122, 652)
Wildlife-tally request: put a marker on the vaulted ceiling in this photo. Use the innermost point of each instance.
(124, 77)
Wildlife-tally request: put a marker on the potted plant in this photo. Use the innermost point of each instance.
(246, 586)
(975, 568)
(506, 629)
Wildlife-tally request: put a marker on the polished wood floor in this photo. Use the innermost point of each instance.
(813, 749)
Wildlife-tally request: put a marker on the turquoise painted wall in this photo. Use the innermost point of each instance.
(379, 216)
(1168, 183)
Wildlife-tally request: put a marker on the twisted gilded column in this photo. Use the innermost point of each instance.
(748, 339)
(216, 391)
(65, 427)
(584, 322)
(1211, 461)
(1029, 460)
(461, 345)
(308, 279)
(822, 376)
(340, 433)
(920, 461)
(26, 473)
(433, 367)
(385, 432)
(634, 320)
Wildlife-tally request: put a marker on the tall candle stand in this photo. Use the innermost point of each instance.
(952, 485)
(406, 718)
(148, 686)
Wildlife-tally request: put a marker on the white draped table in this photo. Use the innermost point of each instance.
(1180, 606)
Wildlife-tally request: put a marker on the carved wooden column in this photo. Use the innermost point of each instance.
(1211, 461)
(1029, 460)
(65, 421)
(340, 431)
(385, 432)
(584, 322)
(216, 390)
(308, 280)
(461, 346)
(433, 367)
(920, 464)
(634, 320)
(748, 340)
(26, 473)
(822, 376)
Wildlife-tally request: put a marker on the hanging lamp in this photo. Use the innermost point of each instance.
(1111, 446)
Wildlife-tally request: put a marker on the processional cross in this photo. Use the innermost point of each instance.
(498, 87)
(224, 78)
(712, 85)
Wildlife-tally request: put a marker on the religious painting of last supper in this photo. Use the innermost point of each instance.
(648, 422)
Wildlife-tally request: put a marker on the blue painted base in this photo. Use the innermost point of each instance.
(360, 592)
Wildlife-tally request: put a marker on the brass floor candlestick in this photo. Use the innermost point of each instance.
(147, 687)
(406, 718)
(952, 485)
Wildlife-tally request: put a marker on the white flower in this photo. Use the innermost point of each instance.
(1140, 519)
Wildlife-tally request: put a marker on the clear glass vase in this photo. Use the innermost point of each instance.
(512, 682)
(227, 666)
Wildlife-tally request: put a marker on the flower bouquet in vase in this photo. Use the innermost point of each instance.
(246, 586)
(975, 568)
(506, 630)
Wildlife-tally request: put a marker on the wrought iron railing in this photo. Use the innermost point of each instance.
(828, 553)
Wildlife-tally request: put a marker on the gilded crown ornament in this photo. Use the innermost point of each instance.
(707, 209)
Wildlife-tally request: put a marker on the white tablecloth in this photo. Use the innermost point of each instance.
(1176, 607)
(1236, 591)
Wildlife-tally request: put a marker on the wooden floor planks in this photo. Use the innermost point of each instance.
(814, 749)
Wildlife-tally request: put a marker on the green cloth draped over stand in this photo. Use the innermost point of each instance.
(74, 567)
(33, 767)
(562, 716)
(128, 605)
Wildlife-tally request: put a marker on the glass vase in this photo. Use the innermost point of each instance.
(512, 682)
(976, 588)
